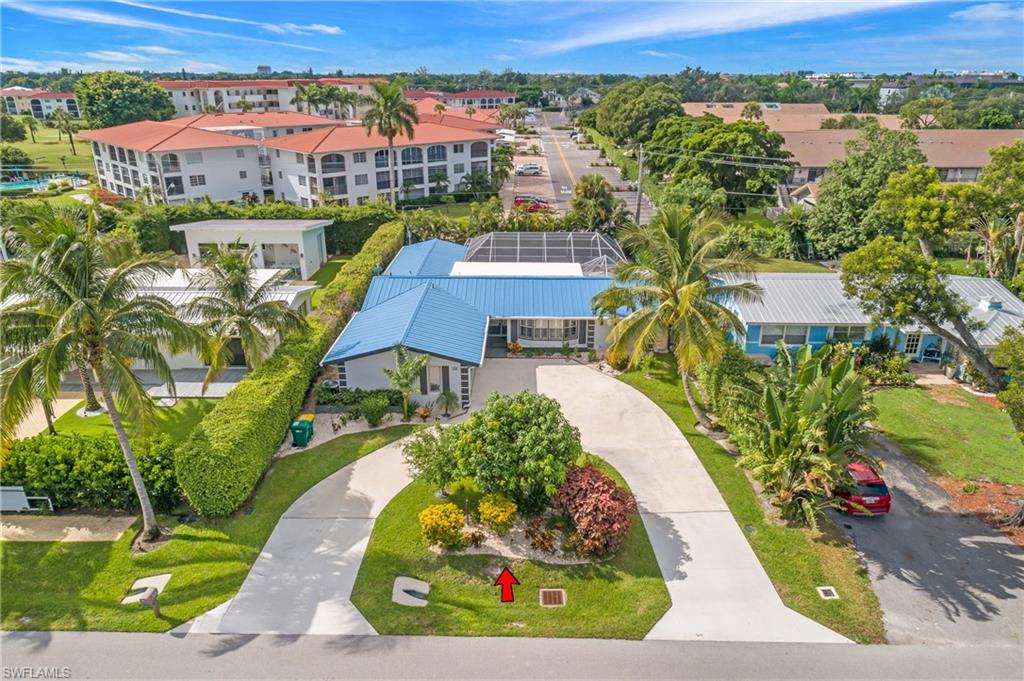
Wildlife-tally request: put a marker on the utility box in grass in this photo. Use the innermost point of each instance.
(302, 432)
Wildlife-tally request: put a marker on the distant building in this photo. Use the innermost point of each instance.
(892, 92)
(478, 99)
(263, 70)
(38, 103)
(582, 93)
(194, 96)
(781, 117)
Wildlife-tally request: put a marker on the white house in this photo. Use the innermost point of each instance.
(296, 245)
(478, 99)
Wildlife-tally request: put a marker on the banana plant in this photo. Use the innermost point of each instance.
(814, 414)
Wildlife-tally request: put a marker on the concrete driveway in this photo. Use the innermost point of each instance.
(941, 578)
(718, 588)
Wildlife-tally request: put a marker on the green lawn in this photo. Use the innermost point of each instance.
(961, 266)
(177, 421)
(326, 274)
(947, 431)
(796, 559)
(79, 585)
(783, 265)
(620, 598)
(452, 210)
(46, 152)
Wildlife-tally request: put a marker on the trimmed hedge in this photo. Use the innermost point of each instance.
(352, 225)
(89, 472)
(229, 450)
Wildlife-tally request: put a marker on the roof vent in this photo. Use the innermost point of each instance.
(990, 304)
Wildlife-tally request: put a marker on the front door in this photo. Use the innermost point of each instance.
(498, 327)
(913, 345)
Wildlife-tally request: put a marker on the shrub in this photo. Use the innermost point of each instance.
(540, 538)
(497, 512)
(474, 538)
(431, 456)
(600, 510)
(347, 397)
(373, 409)
(441, 525)
(518, 445)
(729, 387)
(222, 460)
(969, 488)
(888, 370)
(89, 472)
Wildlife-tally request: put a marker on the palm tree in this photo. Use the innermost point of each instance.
(470, 110)
(674, 291)
(66, 124)
(404, 376)
(752, 111)
(245, 105)
(34, 232)
(439, 109)
(32, 124)
(390, 115)
(303, 93)
(345, 100)
(996, 234)
(794, 221)
(80, 307)
(593, 202)
(240, 308)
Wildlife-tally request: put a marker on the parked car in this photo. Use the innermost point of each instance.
(530, 169)
(867, 490)
(530, 203)
(527, 198)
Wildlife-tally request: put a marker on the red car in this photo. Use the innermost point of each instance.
(867, 490)
(530, 203)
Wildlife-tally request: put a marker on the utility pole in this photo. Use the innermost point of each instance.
(639, 182)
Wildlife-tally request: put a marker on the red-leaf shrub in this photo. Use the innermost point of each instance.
(600, 510)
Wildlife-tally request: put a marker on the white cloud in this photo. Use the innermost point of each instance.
(991, 11)
(659, 54)
(503, 57)
(65, 13)
(520, 41)
(156, 49)
(280, 29)
(116, 56)
(696, 19)
(202, 66)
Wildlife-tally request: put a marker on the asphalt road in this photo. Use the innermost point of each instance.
(204, 656)
(941, 578)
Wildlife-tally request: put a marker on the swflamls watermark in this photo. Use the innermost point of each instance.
(37, 672)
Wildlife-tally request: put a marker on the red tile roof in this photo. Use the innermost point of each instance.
(164, 136)
(354, 138)
(267, 119)
(39, 94)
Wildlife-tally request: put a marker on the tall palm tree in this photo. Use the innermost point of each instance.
(470, 110)
(996, 234)
(34, 233)
(673, 291)
(66, 124)
(390, 115)
(81, 307)
(302, 96)
(245, 105)
(794, 221)
(32, 124)
(240, 308)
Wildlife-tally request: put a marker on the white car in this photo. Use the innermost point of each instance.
(530, 169)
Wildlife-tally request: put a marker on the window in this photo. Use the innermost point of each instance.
(121, 155)
(434, 384)
(548, 329)
(170, 163)
(174, 186)
(311, 164)
(299, 158)
(304, 202)
(380, 159)
(478, 149)
(333, 163)
(412, 176)
(240, 153)
(478, 167)
(359, 157)
(136, 178)
(95, 149)
(242, 174)
(112, 151)
(849, 333)
(362, 200)
(197, 180)
(277, 153)
(336, 185)
(412, 156)
(383, 182)
(131, 157)
(459, 168)
(193, 157)
(437, 153)
(117, 173)
(790, 334)
(437, 174)
(302, 180)
(362, 180)
(280, 174)
(289, 131)
(458, 148)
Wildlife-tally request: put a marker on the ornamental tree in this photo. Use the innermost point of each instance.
(112, 98)
(917, 200)
(929, 112)
(519, 446)
(898, 286)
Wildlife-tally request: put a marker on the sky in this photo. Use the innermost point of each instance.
(872, 36)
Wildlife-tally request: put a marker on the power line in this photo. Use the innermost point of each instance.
(718, 153)
(719, 161)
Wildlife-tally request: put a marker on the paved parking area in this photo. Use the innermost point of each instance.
(941, 578)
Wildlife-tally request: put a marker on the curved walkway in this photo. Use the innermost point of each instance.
(302, 581)
(719, 590)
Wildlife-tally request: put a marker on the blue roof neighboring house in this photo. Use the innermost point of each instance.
(433, 258)
(522, 297)
(424, 318)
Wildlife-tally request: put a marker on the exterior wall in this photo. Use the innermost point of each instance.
(817, 335)
(802, 175)
(191, 101)
(40, 106)
(312, 251)
(220, 171)
(368, 373)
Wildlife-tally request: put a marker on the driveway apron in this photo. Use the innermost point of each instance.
(718, 588)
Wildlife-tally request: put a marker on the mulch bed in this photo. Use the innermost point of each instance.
(992, 502)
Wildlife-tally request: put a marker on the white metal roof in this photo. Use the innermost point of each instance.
(253, 225)
(513, 269)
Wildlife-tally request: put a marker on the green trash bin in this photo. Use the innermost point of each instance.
(302, 433)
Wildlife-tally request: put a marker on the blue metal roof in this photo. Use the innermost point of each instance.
(503, 296)
(424, 318)
(427, 258)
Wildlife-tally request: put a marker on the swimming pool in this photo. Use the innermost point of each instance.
(35, 184)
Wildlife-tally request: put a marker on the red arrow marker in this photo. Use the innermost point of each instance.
(505, 580)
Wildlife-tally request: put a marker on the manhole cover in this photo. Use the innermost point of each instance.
(829, 593)
(552, 598)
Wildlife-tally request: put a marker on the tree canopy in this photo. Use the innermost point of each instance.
(632, 110)
(110, 98)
